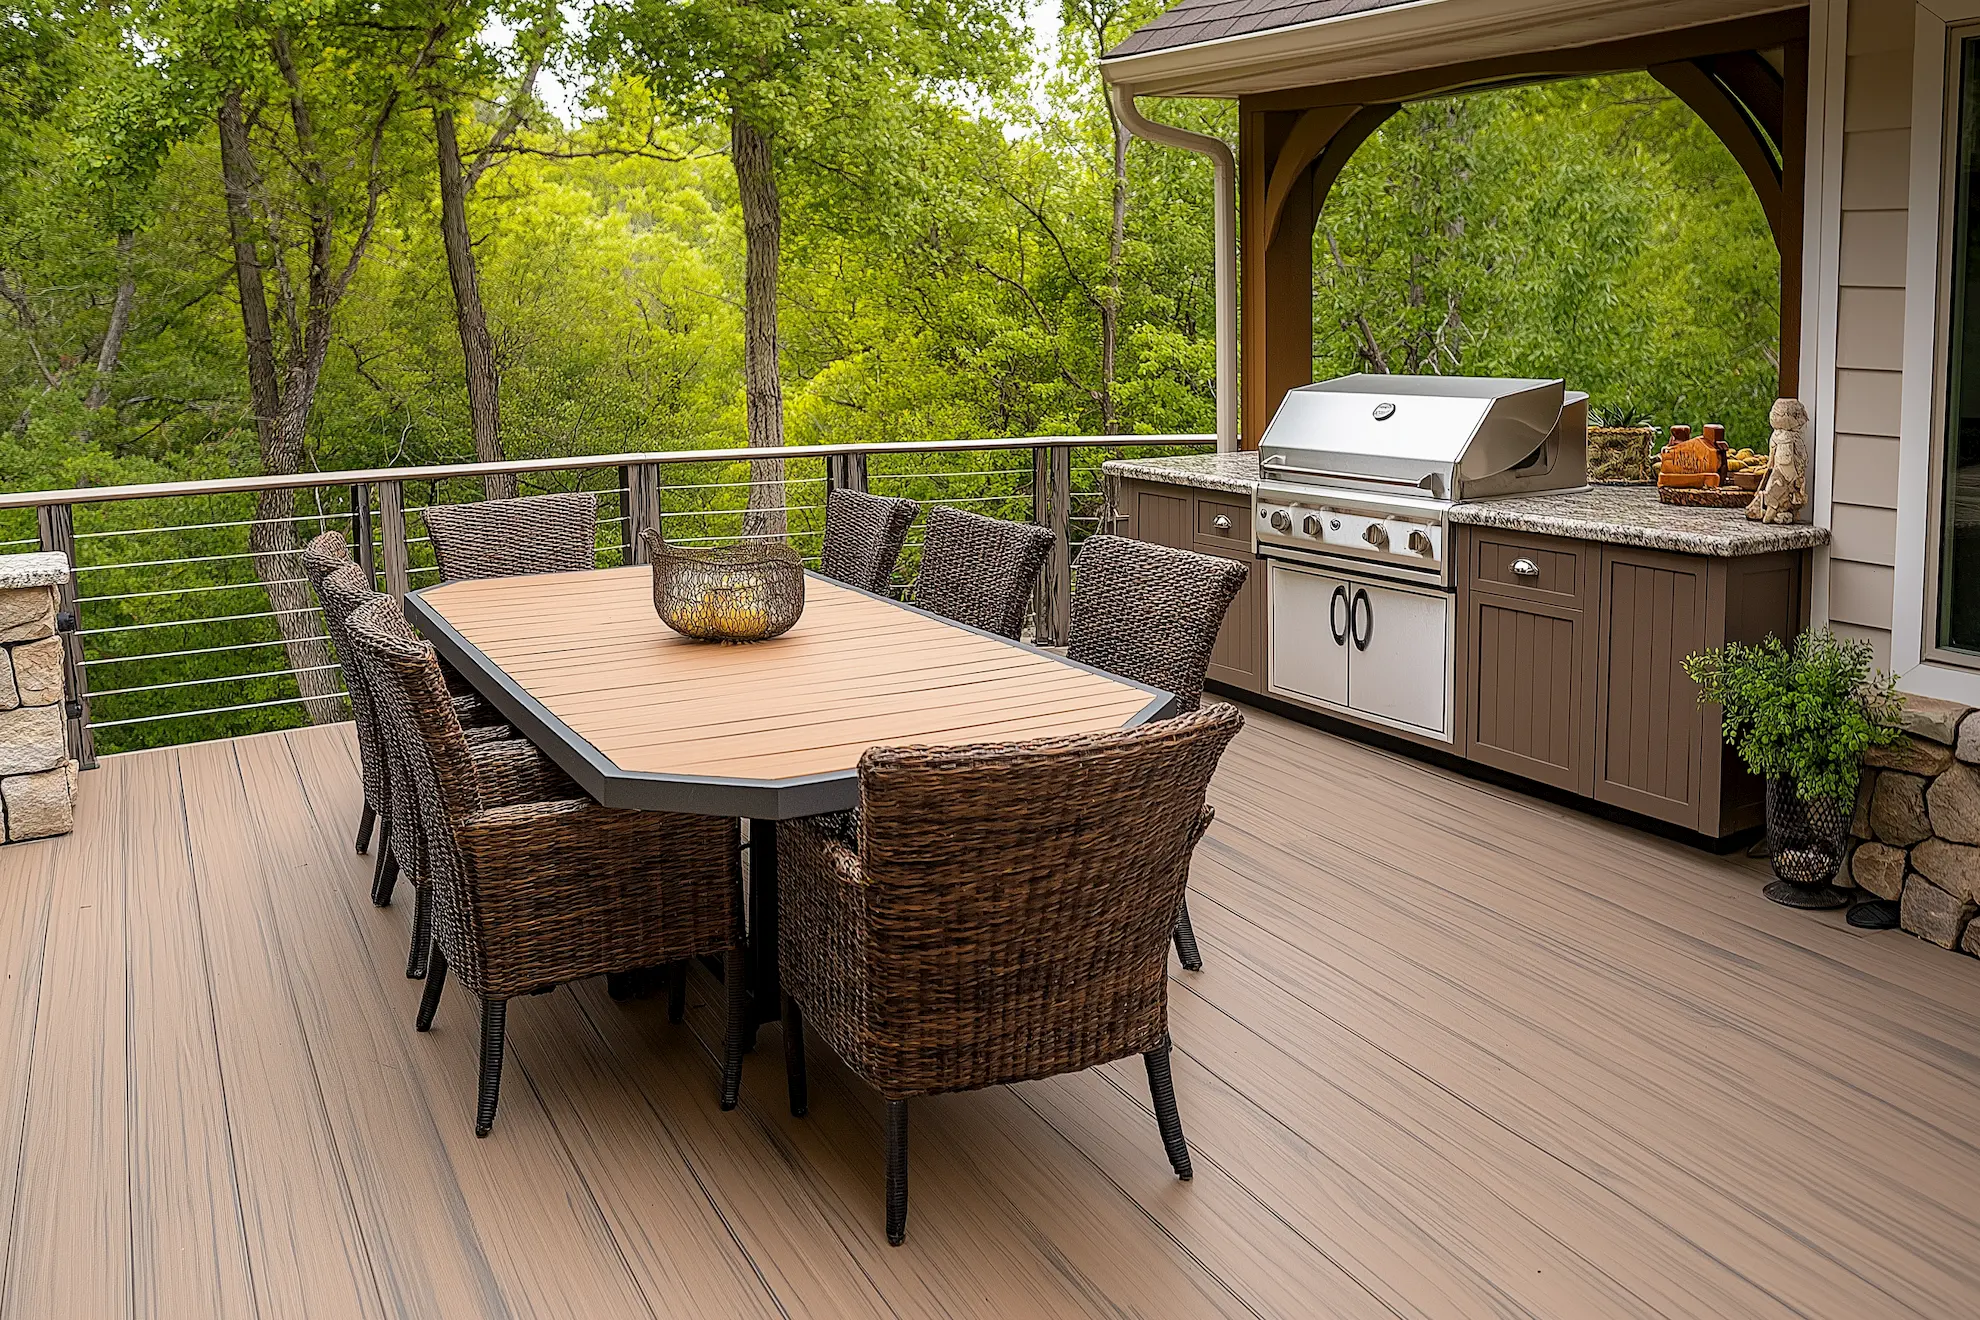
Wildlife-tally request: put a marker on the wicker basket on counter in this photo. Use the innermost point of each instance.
(731, 593)
(1622, 455)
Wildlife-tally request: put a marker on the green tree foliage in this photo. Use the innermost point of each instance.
(1594, 230)
(950, 266)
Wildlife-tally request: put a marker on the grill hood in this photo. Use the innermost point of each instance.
(1440, 437)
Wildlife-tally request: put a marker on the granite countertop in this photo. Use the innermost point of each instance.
(1234, 473)
(1621, 515)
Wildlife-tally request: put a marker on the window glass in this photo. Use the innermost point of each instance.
(1959, 549)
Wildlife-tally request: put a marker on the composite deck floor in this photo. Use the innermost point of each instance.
(1456, 1052)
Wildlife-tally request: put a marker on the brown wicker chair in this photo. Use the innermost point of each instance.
(1005, 915)
(863, 538)
(534, 884)
(343, 593)
(509, 538)
(980, 571)
(1151, 614)
(323, 555)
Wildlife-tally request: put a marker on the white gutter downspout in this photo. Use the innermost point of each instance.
(1225, 165)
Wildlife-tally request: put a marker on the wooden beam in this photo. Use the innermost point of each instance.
(1790, 235)
(1729, 121)
(1357, 130)
(1765, 32)
(1311, 133)
(1757, 86)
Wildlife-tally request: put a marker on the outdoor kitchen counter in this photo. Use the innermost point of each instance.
(1617, 515)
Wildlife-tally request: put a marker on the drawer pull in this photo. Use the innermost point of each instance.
(1525, 568)
(1221, 522)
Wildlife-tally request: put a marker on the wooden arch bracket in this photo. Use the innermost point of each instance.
(1742, 100)
(1321, 141)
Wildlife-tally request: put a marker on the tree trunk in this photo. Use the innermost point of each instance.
(763, 389)
(1110, 311)
(484, 380)
(279, 417)
(120, 317)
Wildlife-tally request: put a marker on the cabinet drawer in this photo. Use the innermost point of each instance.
(1223, 523)
(1537, 568)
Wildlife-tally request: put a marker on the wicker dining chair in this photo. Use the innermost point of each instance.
(509, 538)
(322, 556)
(1004, 915)
(534, 884)
(1151, 614)
(343, 593)
(863, 537)
(980, 571)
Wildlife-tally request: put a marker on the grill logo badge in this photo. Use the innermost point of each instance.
(1384, 411)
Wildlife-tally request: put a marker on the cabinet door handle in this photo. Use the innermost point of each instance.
(1525, 568)
(1221, 522)
(1340, 630)
(1361, 634)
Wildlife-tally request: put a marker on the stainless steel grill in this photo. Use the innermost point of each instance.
(1364, 469)
(1357, 479)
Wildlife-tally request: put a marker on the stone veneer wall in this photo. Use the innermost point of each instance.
(37, 778)
(1918, 824)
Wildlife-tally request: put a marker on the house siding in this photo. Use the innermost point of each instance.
(1876, 187)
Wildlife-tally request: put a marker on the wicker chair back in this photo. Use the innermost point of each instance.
(863, 537)
(1151, 613)
(509, 538)
(980, 571)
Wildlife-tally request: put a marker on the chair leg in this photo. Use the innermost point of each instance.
(896, 1172)
(737, 1028)
(677, 991)
(622, 986)
(422, 932)
(1185, 936)
(794, 1057)
(1162, 1090)
(386, 873)
(494, 1019)
(366, 819)
(436, 981)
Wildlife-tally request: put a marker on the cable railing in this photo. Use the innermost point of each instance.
(188, 617)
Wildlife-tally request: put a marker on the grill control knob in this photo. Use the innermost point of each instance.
(1281, 521)
(1419, 541)
(1377, 535)
(1311, 526)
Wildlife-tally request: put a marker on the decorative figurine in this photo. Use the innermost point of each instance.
(1786, 487)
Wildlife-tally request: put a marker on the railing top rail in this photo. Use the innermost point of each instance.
(448, 471)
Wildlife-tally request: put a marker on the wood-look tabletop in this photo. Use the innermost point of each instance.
(645, 717)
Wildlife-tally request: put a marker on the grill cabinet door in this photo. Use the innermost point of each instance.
(1307, 662)
(1399, 670)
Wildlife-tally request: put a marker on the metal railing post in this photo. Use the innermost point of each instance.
(392, 538)
(58, 533)
(643, 486)
(361, 545)
(1051, 507)
(845, 472)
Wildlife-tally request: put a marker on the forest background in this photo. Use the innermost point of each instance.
(307, 235)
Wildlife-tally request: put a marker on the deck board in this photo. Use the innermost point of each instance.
(1456, 1052)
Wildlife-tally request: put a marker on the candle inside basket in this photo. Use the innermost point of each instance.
(735, 593)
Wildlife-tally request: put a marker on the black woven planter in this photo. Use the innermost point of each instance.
(1810, 840)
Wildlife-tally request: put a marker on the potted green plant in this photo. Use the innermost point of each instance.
(1620, 443)
(1802, 716)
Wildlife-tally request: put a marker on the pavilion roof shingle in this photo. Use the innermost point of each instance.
(1195, 21)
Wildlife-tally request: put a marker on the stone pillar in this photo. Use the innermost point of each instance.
(37, 778)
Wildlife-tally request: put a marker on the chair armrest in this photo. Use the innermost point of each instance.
(562, 889)
(1203, 820)
(510, 771)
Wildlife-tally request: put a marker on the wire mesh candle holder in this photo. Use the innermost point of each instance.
(731, 593)
(1809, 837)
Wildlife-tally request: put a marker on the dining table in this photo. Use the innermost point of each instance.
(645, 719)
